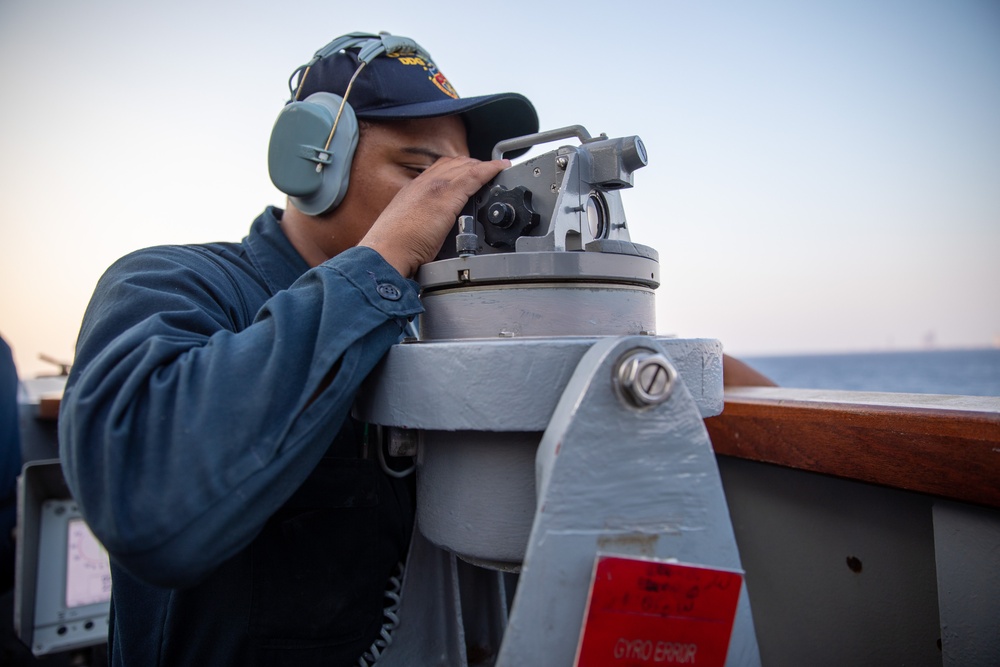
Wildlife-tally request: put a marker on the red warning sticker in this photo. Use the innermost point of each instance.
(651, 612)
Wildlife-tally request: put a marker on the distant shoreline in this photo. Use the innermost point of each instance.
(844, 353)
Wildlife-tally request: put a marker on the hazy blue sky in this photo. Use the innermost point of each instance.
(822, 177)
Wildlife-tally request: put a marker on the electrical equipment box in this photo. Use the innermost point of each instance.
(63, 580)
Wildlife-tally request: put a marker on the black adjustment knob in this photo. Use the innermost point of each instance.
(506, 215)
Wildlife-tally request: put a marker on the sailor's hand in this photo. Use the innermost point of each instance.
(411, 229)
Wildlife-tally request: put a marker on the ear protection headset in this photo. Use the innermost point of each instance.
(313, 140)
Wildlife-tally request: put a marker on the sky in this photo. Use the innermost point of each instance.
(822, 177)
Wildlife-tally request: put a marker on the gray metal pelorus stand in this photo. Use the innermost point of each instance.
(548, 421)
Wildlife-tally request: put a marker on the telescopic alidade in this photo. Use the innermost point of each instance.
(548, 421)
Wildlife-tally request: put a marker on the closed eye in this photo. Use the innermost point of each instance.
(415, 169)
(424, 156)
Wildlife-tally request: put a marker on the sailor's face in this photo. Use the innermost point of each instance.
(389, 155)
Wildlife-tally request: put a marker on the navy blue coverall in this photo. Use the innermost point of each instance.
(205, 433)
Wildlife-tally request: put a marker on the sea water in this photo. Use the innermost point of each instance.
(966, 372)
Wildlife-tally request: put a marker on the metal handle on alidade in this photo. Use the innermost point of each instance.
(529, 140)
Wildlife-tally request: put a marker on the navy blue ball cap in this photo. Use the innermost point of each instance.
(399, 86)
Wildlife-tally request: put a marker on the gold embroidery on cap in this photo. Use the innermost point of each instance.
(433, 75)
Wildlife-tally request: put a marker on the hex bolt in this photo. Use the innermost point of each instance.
(466, 224)
(646, 378)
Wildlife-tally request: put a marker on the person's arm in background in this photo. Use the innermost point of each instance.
(10, 463)
(736, 373)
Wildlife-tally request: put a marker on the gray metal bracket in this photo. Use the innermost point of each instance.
(617, 478)
(441, 385)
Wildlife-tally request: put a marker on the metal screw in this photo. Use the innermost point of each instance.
(536, 171)
(646, 378)
(562, 161)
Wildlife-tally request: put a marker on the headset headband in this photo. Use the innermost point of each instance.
(370, 47)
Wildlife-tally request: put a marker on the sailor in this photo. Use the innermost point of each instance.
(205, 428)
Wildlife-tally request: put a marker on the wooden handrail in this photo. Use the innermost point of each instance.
(943, 445)
(947, 446)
